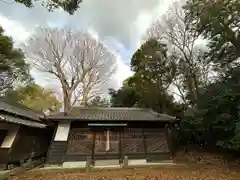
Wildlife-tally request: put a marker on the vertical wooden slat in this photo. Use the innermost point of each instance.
(68, 139)
(3, 158)
(93, 147)
(144, 142)
(169, 138)
(14, 146)
(120, 144)
(51, 142)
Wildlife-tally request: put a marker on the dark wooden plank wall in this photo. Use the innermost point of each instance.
(2, 135)
(30, 142)
(57, 152)
(138, 140)
(3, 157)
(3, 151)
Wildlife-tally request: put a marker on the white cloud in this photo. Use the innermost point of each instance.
(123, 71)
(119, 24)
(14, 29)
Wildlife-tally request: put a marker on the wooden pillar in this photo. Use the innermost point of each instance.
(169, 139)
(144, 143)
(7, 146)
(93, 147)
(120, 145)
(107, 140)
(3, 158)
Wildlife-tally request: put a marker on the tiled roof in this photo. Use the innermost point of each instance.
(17, 120)
(14, 109)
(128, 114)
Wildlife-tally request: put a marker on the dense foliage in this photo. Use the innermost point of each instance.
(207, 81)
(34, 97)
(147, 87)
(13, 68)
(219, 22)
(216, 119)
(98, 101)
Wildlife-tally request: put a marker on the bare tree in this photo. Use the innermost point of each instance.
(81, 63)
(192, 68)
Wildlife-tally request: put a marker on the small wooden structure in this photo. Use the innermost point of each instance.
(22, 135)
(110, 133)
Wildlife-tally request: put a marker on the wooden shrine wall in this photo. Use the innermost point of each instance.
(132, 142)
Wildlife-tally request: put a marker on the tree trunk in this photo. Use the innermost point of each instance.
(67, 102)
(84, 100)
(196, 89)
(86, 92)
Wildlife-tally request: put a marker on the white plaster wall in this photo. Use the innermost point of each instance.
(9, 139)
(62, 132)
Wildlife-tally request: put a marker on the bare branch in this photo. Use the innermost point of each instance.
(6, 2)
(172, 29)
(76, 59)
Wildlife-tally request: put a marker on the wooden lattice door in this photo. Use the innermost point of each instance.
(133, 141)
(106, 142)
(156, 141)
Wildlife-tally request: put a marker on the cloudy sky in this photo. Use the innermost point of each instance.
(119, 23)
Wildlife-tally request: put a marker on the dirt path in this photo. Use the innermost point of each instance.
(160, 173)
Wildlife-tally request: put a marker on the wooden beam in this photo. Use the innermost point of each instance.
(169, 138)
(144, 142)
(120, 144)
(93, 147)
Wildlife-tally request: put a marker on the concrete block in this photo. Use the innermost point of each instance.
(132, 162)
(107, 162)
(108, 167)
(125, 162)
(74, 164)
(48, 167)
(160, 164)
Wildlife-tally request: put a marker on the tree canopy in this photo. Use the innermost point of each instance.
(34, 97)
(69, 6)
(83, 65)
(13, 67)
(170, 62)
(98, 101)
(219, 24)
(147, 88)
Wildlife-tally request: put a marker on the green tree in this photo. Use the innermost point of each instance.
(99, 102)
(218, 21)
(34, 97)
(148, 87)
(154, 72)
(151, 62)
(13, 68)
(193, 71)
(69, 6)
(217, 120)
(126, 96)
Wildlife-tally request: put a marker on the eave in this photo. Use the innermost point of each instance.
(20, 121)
